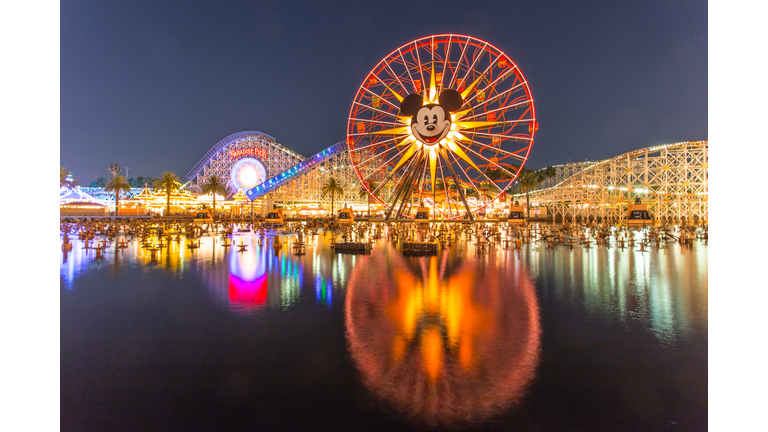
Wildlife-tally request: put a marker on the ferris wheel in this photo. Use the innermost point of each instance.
(445, 121)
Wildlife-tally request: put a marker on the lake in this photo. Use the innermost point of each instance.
(522, 338)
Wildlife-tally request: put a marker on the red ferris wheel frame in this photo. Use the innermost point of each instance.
(491, 134)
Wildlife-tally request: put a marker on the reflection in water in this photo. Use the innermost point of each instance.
(443, 344)
(665, 289)
(248, 280)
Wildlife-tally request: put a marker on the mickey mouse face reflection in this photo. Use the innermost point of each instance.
(431, 123)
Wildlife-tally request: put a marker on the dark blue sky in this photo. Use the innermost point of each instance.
(152, 85)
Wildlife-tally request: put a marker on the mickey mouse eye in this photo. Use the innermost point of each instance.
(426, 120)
(434, 118)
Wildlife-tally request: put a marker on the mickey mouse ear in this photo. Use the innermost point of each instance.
(411, 104)
(451, 100)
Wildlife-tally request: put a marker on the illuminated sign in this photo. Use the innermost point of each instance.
(251, 151)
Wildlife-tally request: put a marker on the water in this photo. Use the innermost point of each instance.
(213, 339)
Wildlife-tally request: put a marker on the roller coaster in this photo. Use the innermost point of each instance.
(672, 179)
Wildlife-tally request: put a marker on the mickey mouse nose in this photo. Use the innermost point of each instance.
(431, 128)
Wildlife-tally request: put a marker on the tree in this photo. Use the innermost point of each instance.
(550, 172)
(114, 168)
(66, 179)
(333, 188)
(364, 194)
(527, 182)
(100, 182)
(540, 177)
(63, 173)
(168, 182)
(117, 184)
(214, 186)
(493, 174)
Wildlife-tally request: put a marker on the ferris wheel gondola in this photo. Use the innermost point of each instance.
(447, 120)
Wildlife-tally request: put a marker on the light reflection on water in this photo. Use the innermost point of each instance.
(446, 337)
(449, 341)
(665, 288)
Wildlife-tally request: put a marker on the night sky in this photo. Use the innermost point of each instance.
(153, 85)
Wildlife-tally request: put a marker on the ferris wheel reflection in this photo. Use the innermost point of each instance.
(443, 345)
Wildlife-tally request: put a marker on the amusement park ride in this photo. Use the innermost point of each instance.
(444, 116)
(516, 214)
(203, 216)
(637, 214)
(422, 215)
(346, 215)
(275, 217)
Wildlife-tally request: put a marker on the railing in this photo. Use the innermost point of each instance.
(102, 215)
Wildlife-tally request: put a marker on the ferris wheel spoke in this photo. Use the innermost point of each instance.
(498, 150)
(420, 184)
(468, 126)
(459, 187)
(391, 174)
(415, 182)
(397, 77)
(385, 164)
(407, 69)
(376, 144)
(445, 62)
(398, 183)
(376, 110)
(483, 157)
(478, 91)
(490, 162)
(445, 188)
(432, 45)
(382, 98)
(407, 180)
(365, 162)
(498, 96)
(489, 134)
(471, 68)
(458, 65)
(375, 121)
(469, 178)
(421, 70)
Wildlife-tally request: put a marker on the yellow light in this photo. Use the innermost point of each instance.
(248, 176)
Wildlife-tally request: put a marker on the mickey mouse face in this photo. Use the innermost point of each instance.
(431, 123)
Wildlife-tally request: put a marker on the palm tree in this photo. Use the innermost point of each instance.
(527, 182)
(117, 184)
(63, 173)
(540, 177)
(493, 173)
(114, 168)
(550, 172)
(213, 187)
(333, 188)
(169, 183)
(364, 194)
(67, 179)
